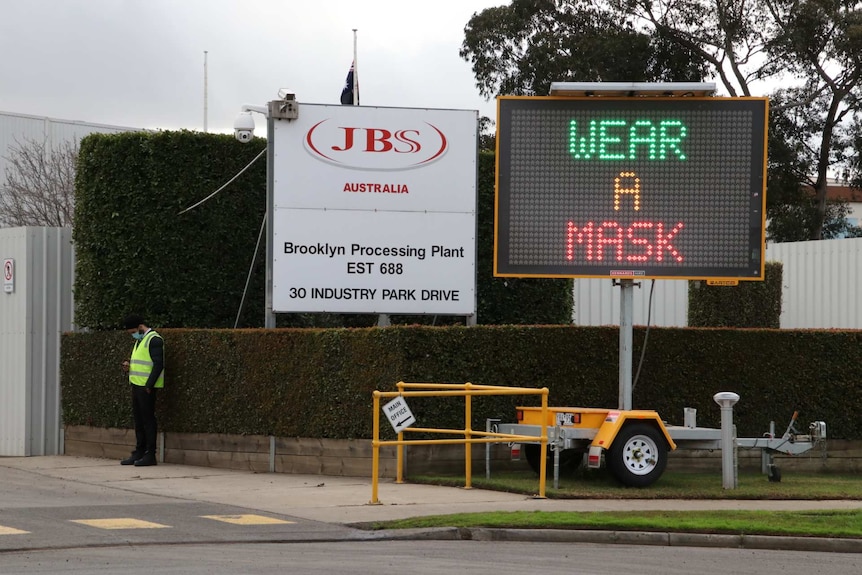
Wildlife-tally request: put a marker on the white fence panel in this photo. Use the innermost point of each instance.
(597, 302)
(821, 282)
(35, 308)
(820, 279)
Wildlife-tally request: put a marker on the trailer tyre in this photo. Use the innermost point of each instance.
(638, 455)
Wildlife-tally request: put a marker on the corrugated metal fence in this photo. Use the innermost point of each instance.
(35, 308)
(821, 283)
(820, 278)
(597, 302)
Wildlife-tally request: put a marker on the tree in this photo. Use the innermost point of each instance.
(791, 204)
(853, 170)
(817, 42)
(40, 184)
(521, 48)
(487, 136)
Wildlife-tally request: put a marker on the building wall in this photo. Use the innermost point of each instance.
(32, 317)
(16, 129)
(853, 197)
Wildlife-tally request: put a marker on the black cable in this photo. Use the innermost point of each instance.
(646, 335)
(250, 270)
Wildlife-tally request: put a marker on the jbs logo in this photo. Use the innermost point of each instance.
(380, 140)
(376, 148)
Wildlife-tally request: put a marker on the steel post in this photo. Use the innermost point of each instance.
(626, 318)
(726, 400)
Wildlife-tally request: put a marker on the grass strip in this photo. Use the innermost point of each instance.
(672, 485)
(817, 523)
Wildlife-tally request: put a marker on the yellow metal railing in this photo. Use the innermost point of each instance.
(470, 436)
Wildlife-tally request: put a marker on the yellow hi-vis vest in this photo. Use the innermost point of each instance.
(141, 364)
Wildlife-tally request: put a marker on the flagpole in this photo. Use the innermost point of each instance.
(383, 318)
(206, 80)
(355, 73)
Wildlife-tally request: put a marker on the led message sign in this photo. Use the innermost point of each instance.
(631, 187)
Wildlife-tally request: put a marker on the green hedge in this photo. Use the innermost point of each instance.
(749, 304)
(319, 383)
(136, 252)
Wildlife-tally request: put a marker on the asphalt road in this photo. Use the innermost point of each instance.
(84, 515)
(42, 512)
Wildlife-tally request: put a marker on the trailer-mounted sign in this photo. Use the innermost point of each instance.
(631, 187)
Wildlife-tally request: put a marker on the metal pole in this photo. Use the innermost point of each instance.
(726, 400)
(489, 427)
(556, 457)
(355, 72)
(269, 316)
(205, 91)
(272, 454)
(468, 435)
(399, 459)
(543, 461)
(765, 455)
(375, 447)
(399, 450)
(626, 314)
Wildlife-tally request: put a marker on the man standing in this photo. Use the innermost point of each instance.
(146, 370)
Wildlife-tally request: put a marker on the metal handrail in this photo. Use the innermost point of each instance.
(471, 436)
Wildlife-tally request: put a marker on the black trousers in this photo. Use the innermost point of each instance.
(144, 412)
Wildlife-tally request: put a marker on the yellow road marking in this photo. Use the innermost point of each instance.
(120, 523)
(11, 531)
(247, 519)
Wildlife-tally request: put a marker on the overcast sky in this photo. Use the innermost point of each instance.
(140, 63)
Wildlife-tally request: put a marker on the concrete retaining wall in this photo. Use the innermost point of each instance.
(352, 457)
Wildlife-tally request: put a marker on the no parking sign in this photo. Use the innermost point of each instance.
(8, 275)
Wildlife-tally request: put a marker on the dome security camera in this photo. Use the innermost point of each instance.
(243, 127)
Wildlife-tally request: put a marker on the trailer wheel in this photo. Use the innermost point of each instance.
(638, 455)
(570, 459)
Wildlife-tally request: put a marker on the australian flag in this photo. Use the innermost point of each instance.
(347, 92)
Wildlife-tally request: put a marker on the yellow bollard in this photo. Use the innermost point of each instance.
(468, 429)
(399, 449)
(543, 460)
(375, 449)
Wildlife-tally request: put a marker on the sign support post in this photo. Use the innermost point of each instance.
(269, 314)
(626, 318)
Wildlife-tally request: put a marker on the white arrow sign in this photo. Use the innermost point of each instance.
(399, 414)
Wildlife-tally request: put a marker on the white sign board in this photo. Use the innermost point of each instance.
(398, 414)
(375, 211)
(8, 275)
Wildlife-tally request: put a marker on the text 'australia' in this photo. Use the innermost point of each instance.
(373, 188)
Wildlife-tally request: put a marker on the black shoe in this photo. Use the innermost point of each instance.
(149, 458)
(130, 460)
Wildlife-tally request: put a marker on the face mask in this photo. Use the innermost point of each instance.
(138, 335)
